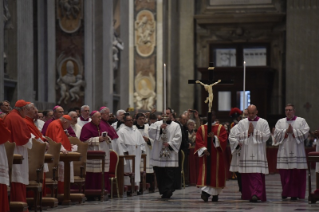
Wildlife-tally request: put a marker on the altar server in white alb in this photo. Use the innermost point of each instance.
(290, 134)
(316, 143)
(252, 134)
(164, 167)
(131, 141)
(143, 129)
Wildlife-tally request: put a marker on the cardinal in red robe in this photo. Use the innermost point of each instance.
(20, 134)
(56, 132)
(4, 176)
(218, 137)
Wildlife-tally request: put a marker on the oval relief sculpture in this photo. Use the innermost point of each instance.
(69, 13)
(144, 96)
(145, 27)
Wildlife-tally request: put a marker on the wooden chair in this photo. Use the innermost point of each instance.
(51, 177)
(143, 175)
(182, 172)
(131, 188)
(80, 166)
(36, 162)
(14, 206)
(313, 197)
(114, 161)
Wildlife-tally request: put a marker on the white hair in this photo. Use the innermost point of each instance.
(120, 111)
(84, 106)
(29, 106)
(104, 110)
(190, 121)
(71, 112)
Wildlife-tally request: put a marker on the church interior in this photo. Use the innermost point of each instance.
(146, 55)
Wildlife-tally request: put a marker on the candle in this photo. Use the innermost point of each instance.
(164, 85)
(244, 87)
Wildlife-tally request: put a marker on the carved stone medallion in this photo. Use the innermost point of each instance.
(145, 31)
(144, 97)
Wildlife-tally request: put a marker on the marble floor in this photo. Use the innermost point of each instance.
(189, 200)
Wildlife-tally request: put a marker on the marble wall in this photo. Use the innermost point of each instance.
(302, 59)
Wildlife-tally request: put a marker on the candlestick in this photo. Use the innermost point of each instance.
(244, 87)
(164, 84)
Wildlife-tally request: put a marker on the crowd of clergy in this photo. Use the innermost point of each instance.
(147, 133)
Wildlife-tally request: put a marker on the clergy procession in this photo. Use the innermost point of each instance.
(153, 147)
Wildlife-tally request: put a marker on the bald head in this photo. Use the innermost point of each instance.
(58, 112)
(96, 118)
(183, 119)
(252, 111)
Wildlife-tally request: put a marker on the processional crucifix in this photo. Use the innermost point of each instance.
(208, 85)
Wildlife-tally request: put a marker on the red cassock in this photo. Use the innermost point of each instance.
(5, 136)
(217, 168)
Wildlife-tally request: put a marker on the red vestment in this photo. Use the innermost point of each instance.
(20, 133)
(33, 129)
(217, 169)
(5, 136)
(56, 132)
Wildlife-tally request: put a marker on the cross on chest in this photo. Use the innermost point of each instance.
(291, 153)
(252, 156)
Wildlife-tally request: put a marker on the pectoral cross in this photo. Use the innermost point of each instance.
(291, 153)
(252, 156)
(208, 84)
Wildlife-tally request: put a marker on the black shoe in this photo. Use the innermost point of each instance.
(254, 198)
(205, 196)
(169, 194)
(215, 198)
(283, 197)
(293, 198)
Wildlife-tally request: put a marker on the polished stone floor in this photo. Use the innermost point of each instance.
(189, 200)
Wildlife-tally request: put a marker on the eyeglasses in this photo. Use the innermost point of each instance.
(288, 110)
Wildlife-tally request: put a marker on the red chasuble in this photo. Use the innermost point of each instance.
(20, 133)
(217, 168)
(56, 132)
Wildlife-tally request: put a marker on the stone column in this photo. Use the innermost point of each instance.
(159, 57)
(186, 55)
(51, 57)
(42, 46)
(25, 50)
(1, 52)
(88, 52)
(107, 65)
(126, 11)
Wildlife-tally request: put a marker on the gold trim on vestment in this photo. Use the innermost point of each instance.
(203, 135)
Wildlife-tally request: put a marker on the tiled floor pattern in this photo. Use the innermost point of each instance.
(189, 200)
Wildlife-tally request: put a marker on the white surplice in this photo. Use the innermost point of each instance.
(82, 123)
(316, 143)
(114, 125)
(4, 168)
(20, 172)
(130, 140)
(148, 148)
(39, 124)
(233, 142)
(174, 138)
(291, 152)
(77, 130)
(253, 158)
(95, 145)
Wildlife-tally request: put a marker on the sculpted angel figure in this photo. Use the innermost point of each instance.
(209, 89)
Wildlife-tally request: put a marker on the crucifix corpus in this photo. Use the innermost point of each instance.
(208, 85)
